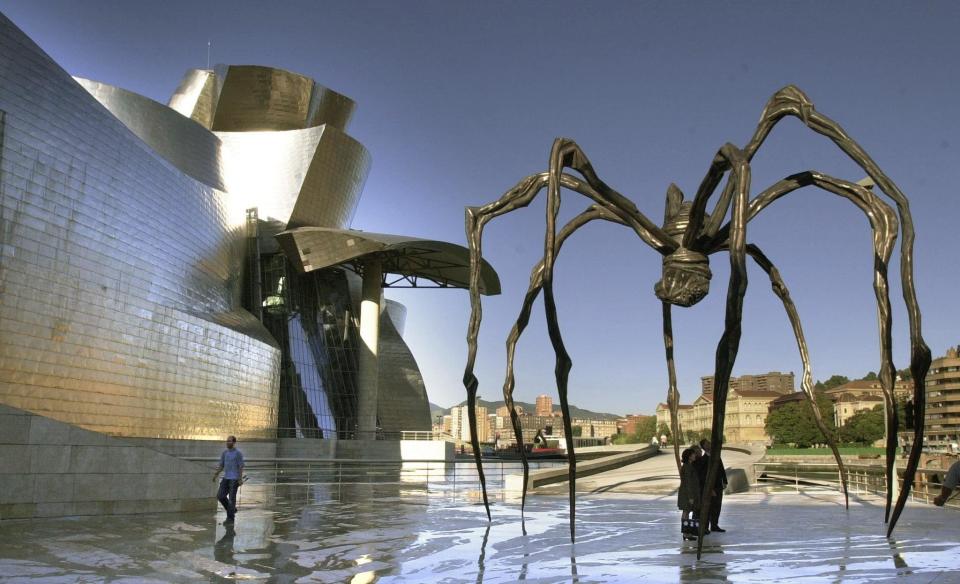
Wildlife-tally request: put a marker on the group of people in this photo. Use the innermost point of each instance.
(693, 486)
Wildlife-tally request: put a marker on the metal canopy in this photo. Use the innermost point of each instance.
(405, 260)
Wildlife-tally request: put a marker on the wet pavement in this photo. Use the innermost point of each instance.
(406, 533)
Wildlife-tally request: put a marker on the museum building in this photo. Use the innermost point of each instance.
(189, 270)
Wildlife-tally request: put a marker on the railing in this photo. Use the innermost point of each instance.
(861, 478)
(320, 433)
(433, 474)
(426, 435)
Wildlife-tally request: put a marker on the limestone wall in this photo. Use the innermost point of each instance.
(52, 469)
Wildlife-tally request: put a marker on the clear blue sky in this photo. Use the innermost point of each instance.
(458, 101)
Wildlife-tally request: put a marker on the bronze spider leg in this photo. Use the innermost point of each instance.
(806, 383)
(673, 395)
(728, 157)
(566, 153)
(518, 197)
(673, 205)
(883, 223)
(792, 101)
(536, 282)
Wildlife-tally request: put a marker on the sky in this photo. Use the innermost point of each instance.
(458, 101)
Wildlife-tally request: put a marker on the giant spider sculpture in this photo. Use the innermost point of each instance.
(688, 236)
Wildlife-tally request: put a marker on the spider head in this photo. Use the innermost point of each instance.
(686, 278)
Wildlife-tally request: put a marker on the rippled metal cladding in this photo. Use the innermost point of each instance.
(121, 240)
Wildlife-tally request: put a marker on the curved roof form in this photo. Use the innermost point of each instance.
(182, 142)
(313, 176)
(444, 264)
(253, 98)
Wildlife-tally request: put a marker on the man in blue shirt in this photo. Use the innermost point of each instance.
(231, 463)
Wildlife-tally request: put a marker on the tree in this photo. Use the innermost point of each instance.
(872, 376)
(644, 429)
(647, 428)
(905, 374)
(865, 427)
(794, 423)
(576, 430)
(664, 430)
(834, 381)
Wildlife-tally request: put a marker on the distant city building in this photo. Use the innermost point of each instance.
(628, 424)
(460, 423)
(782, 383)
(448, 424)
(544, 405)
(590, 428)
(942, 426)
(684, 415)
(504, 411)
(861, 395)
(746, 415)
(862, 388)
(846, 405)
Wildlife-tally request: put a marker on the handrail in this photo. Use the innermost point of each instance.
(861, 478)
(344, 460)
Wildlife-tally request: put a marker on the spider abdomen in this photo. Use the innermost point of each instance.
(686, 278)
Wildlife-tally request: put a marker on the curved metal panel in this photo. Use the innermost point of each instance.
(327, 107)
(120, 306)
(316, 248)
(397, 313)
(196, 97)
(181, 141)
(268, 170)
(402, 402)
(255, 98)
(313, 176)
(334, 182)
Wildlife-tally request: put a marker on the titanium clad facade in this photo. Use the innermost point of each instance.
(196, 96)
(402, 391)
(313, 176)
(182, 142)
(119, 273)
(253, 98)
(141, 295)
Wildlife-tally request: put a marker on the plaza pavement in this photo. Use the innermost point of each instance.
(407, 532)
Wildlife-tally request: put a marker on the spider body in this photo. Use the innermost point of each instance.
(686, 278)
(689, 234)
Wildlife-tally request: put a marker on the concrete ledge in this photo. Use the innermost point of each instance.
(399, 450)
(52, 469)
(549, 476)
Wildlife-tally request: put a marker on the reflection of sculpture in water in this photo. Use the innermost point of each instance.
(689, 235)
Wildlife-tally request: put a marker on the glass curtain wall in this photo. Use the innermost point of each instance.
(313, 318)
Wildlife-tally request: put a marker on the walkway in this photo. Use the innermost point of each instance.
(656, 475)
(405, 533)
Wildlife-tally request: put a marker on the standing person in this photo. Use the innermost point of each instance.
(716, 492)
(949, 484)
(231, 463)
(663, 440)
(688, 496)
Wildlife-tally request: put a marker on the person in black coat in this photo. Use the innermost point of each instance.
(689, 493)
(717, 490)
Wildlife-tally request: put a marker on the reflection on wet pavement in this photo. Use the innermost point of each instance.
(403, 533)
